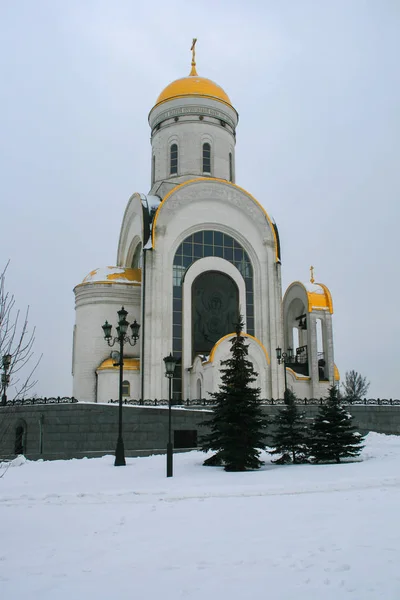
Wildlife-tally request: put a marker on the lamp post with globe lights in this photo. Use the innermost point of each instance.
(170, 364)
(284, 357)
(121, 338)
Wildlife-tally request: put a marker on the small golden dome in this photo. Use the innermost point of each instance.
(193, 86)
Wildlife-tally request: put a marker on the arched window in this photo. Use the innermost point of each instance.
(194, 247)
(137, 257)
(153, 170)
(19, 446)
(126, 388)
(206, 158)
(174, 159)
(230, 167)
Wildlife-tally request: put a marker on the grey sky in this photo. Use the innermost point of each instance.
(317, 88)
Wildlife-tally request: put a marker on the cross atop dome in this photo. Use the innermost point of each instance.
(193, 72)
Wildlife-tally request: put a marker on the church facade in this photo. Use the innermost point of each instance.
(194, 253)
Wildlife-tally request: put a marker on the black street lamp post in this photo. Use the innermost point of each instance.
(5, 377)
(122, 339)
(170, 363)
(284, 357)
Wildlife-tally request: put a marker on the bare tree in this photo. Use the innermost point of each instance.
(16, 343)
(355, 385)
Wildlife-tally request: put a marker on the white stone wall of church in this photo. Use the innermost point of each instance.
(108, 385)
(190, 132)
(190, 137)
(94, 304)
(232, 212)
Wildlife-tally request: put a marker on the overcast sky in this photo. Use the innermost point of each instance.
(317, 87)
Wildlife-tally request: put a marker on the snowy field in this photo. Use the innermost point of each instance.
(83, 529)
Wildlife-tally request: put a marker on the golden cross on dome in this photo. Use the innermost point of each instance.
(193, 71)
(312, 275)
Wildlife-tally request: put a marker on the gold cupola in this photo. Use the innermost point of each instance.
(193, 86)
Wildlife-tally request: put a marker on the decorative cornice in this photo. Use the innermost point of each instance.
(197, 110)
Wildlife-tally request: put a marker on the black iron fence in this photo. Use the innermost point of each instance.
(209, 402)
(206, 402)
(53, 400)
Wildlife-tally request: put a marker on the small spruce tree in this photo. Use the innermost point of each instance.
(237, 427)
(332, 435)
(290, 434)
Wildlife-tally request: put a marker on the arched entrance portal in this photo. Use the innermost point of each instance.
(215, 309)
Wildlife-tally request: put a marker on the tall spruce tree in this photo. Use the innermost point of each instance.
(238, 425)
(290, 433)
(332, 435)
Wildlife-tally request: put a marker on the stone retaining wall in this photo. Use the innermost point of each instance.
(78, 430)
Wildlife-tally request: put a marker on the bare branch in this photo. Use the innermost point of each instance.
(17, 340)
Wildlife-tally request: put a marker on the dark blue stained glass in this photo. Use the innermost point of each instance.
(228, 241)
(208, 237)
(198, 250)
(198, 237)
(177, 291)
(177, 331)
(207, 243)
(187, 248)
(238, 254)
(228, 254)
(218, 238)
(177, 304)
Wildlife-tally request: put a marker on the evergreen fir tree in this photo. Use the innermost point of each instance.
(290, 434)
(237, 427)
(333, 436)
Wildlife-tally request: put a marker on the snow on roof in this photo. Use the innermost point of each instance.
(114, 275)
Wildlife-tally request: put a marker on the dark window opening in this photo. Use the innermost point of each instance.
(19, 440)
(153, 170)
(185, 438)
(206, 158)
(174, 159)
(230, 167)
(126, 388)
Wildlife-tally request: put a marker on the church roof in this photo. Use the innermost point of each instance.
(319, 297)
(114, 275)
(193, 85)
(130, 364)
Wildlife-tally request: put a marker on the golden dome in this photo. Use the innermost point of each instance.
(193, 86)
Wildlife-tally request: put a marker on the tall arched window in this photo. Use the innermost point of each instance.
(194, 247)
(174, 159)
(230, 167)
(153, 170)
(206, 158)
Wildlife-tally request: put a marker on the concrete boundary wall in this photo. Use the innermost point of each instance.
(84, 429)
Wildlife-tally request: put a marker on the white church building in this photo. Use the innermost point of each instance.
(193, 254)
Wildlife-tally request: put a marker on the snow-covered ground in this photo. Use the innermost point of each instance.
(83, 529)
